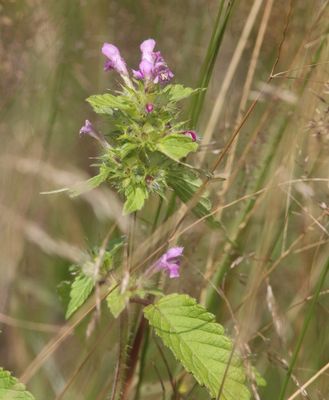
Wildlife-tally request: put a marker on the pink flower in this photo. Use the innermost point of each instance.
(192, 134)
(162, 74)
(170, 262)
(152, 66)
(115, 61)
(87, 129)
(149, 107)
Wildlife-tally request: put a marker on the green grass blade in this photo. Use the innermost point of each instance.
(209, 62)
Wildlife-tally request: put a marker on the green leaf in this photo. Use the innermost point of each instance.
(179, 92)
(127, 148)
(135, 199)
(117, 301)
(176, 146)
(81, 288)
(11, 388)
(200, 344)
(107, 103)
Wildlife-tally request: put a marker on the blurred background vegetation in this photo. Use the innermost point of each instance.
(266, 259)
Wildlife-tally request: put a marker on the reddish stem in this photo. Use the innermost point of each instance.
(133, 358)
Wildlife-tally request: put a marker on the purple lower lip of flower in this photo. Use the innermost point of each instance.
(170, 262)
(191, 134)
(149, 107)
(115, 61)
(162, 73)
(163, 76)
(108, 65)
(173, 270)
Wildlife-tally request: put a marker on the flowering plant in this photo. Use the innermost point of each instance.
(142, 153)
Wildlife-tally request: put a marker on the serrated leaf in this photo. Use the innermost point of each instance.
(11, 388)
(81, 288)
(117, 301)
(179, 92)
(135, 199)
(106, 103)
(176, 146)
(200, 344)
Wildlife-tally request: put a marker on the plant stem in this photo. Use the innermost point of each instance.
(157, 215)
(133, 358)
(142, 363)
(119, 376)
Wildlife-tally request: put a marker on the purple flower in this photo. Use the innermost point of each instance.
(162, 74)
(115, 61)
(146, 66)
(192, 134)
(170, 261)
(149, 107)
(152, 66)
(88, 129)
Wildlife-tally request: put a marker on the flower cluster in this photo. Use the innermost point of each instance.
(152, 67)
(142, 153)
